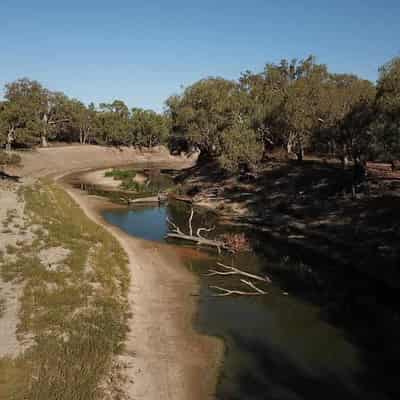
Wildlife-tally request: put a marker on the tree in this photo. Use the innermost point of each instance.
(301, 111)
(344, 107)
(265, 94)
(83, 120)
(114, 124)
(387, 106)
(203, 112)
(43, 111)
(148, 128)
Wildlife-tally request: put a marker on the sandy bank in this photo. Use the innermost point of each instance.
(58, 160)
(98, 177)
(166, 358)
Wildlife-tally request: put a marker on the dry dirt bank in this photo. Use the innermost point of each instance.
(58, 160)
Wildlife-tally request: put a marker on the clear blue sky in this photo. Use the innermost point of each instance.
(143, 51)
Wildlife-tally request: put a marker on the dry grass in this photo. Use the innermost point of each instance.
(76, 314)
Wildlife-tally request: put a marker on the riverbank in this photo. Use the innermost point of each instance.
(311, 206)
(63, 282)
(164, 358)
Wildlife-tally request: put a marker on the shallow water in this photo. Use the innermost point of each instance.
(278, 346)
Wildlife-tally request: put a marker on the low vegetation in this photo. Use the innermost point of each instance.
(73, 305)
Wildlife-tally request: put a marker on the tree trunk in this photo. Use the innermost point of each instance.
(344, 158)
(10, 138)
(300, 151)
(44, 141)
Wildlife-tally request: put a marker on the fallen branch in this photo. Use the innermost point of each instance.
(229, 270)
(176, 227)
(152, 199)
(190, 222)
(177, 233)
(229, 292)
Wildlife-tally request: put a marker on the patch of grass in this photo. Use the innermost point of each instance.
(121, 174)
(129, 184)
(126, 177)
(77, 314)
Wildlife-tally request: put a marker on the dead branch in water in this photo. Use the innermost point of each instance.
(229, 292)
(229, 270)
(177, 233)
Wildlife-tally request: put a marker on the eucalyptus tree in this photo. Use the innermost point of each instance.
(345, 112)
(43, 111)
(266, 92)
(353, 135)
(301, 112)
(113, 124)
(387, 106)
(83, 121)
(148, 128)
(203, 111)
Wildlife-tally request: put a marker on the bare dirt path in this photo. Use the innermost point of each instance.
(164, 357)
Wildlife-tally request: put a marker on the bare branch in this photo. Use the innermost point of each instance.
(176, 233)
(176, 227)
(228, 292)
(236, 271)
(190, 222)
(253, 286)
(205, 230)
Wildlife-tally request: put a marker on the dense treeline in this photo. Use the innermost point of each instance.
(299, 106)
(31, 115)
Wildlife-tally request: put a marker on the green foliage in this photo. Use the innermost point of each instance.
(241, 146)
(386, 127)
(148, 128)
(120, 174)
(297, 105)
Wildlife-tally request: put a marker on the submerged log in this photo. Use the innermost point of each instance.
(222, 292)
(229, 270)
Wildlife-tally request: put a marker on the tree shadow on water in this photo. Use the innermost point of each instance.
(272, 375)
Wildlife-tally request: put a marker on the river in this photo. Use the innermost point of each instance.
(277, 346)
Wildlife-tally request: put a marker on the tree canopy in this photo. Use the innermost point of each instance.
(295, 105)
